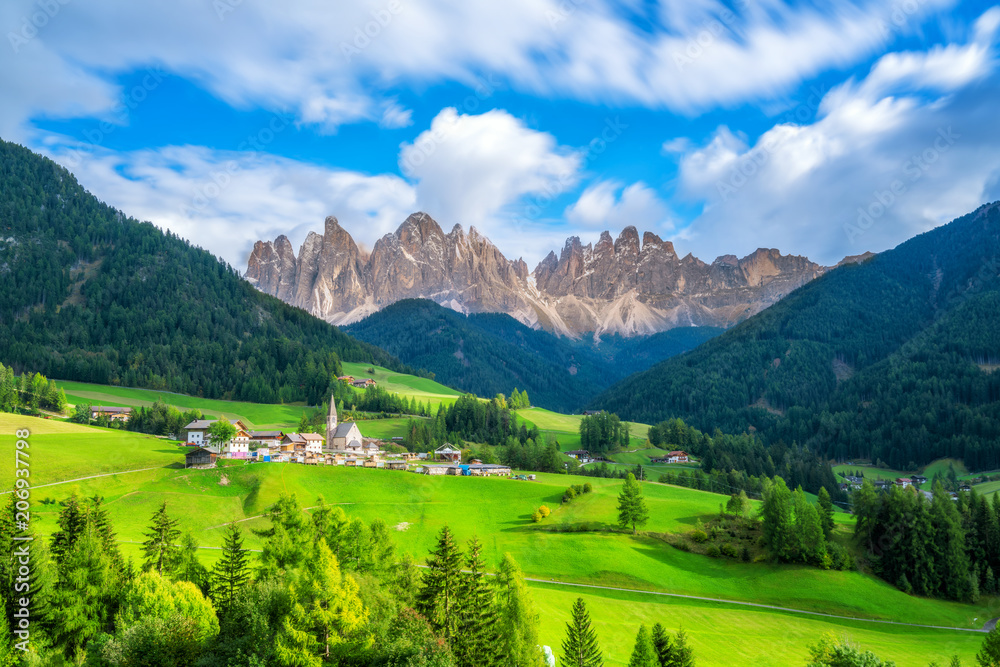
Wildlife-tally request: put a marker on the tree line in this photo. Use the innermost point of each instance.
(29, 393)
(602, 433)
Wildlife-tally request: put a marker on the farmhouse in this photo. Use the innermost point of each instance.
(111, 413)
(918, 479)
(199, 458)
(313, 442)
(581, 455)
(904, 482)
(349, 379)
(677, 457)
(448, 452)
(197, 431)
(363, 383)
(266, 438)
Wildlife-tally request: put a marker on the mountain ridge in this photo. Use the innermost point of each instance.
(627, 286)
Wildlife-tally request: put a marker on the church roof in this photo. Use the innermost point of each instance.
(344, 429)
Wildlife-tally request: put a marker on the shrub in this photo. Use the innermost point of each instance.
(570, 494)
(588, 487)
(712, 551)
(745, 555)
(699, 536)
(536, 516)
(729, 550)
(544, 511)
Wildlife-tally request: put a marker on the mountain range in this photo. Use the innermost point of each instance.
(623, 286)
(893, 359)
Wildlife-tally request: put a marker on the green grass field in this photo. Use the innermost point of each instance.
(418, 506)
(255, 415)
(385, 428)
(422, 389)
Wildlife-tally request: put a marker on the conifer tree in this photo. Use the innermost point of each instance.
(632, 510)
(643, 655)
(160, 548)
(989, 652)
(663, 645)
(231, 572)
(580, 648)
(188, 567)
(477, 640)
(438, 597)
(825, 511)
(776, 511)
(518, 619)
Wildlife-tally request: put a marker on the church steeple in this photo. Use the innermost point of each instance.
(331, 422)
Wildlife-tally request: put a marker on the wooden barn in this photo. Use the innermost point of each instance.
(199, 457)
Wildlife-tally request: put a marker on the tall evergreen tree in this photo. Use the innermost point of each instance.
(683, 655)
(776, 512)
(231, 572)
(644, 654)
(188, 567)
(580, 648)
(518, 622)
(663, 644)
(439, 596)
(632, 510)
(160, 548)
(477, 642)
(825, 511)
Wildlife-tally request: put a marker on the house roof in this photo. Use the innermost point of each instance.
(266, 434)
(295, 437)
(344, 429)
(447, 447)
(578, 452)
(311, 436)
(109, 408)
(678, 453)
(199, 450)
(200, 424)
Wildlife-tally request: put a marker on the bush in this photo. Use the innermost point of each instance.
(588, 487)
(712, 551)
(729, 550)
(536, 516)
(699, 536)
(569, 495)
(544, 511)
(745, 555)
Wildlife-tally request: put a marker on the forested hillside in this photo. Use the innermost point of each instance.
(893, 359)
(89, 294)
(492, 353)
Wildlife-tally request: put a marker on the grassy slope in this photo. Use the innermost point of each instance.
(405, 385)
(500, 517)
(257, 415)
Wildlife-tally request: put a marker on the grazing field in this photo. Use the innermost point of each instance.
(577, 543)
(61, 451)
(256, 415)
(385, 428)
(566, 428)
(422, 389)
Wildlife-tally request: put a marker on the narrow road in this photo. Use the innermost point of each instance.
(80, 479)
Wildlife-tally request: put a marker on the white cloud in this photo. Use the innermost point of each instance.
(331, 63)
(600, 205)
(225, 200)
(900, 152)
(469, 168)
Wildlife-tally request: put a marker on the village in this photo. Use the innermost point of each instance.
(343, 445)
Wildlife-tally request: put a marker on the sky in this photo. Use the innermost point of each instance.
(823, 129)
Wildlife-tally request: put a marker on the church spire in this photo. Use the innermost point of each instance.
(331, 421)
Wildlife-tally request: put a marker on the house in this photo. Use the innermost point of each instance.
(448, 452)
(266, 438)
(111, 413)
(581, 455)
(313, 443)
(881, 484)
(965, 487)
(349, 379)
(197, 431)
(904, 482)
(590, 413)
(293, 443)
(363, 383)
(919, 479)
(238, 447)
(677, 457)
(202, 457)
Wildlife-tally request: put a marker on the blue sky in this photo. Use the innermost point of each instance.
(819, 128)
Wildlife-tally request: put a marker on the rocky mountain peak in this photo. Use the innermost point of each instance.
(621, 285)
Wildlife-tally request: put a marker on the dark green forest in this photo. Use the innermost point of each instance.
(101, 297)
(892, 359)
(491, 353)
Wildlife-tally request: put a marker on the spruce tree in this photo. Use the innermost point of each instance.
(989, 652)
(231, 572)
(663, 645)
(644, 654)
(825, 511)
(776, 511)
(518, 619)
(160, 548)
(439, 595)
(631, 505)
(580, 648)
(478, 638)
(683, 655)
(188, 567)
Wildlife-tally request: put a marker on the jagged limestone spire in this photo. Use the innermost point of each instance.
(331, 421)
